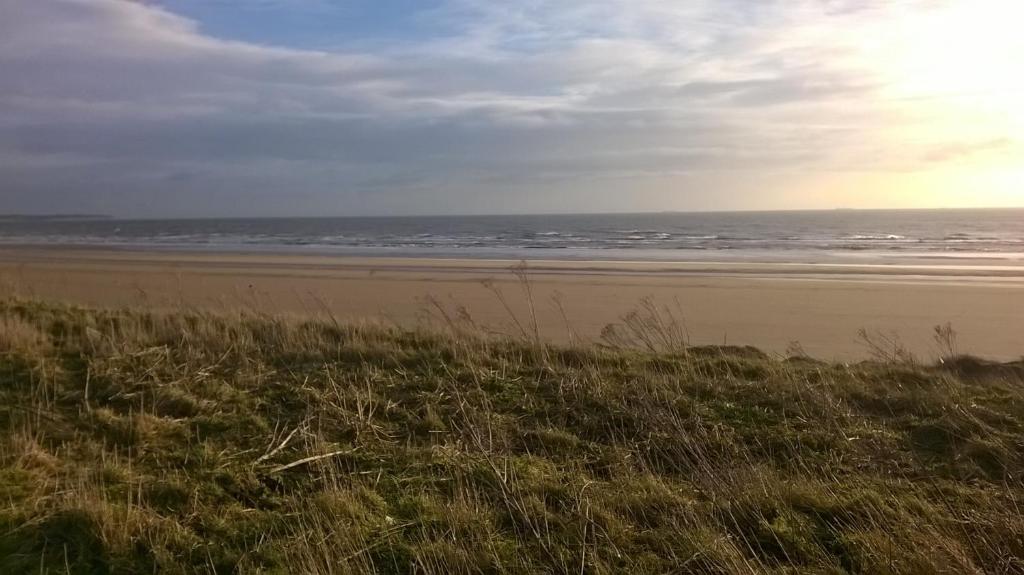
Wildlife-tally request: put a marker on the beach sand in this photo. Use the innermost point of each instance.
(765, 305)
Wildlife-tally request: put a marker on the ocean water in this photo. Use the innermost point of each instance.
(995, 235)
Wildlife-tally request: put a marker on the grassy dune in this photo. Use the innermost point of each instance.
(186, 442)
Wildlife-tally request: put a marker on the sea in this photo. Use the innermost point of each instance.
(948, 235)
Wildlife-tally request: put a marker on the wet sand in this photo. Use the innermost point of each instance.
(767, 305)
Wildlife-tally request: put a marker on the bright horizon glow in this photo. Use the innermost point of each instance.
(378, 107)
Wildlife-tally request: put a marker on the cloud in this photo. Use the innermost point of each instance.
(964, 150)
(126, 107)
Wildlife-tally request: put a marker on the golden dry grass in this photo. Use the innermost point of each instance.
(194, 443)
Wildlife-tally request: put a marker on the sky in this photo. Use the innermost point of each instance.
(189, 108)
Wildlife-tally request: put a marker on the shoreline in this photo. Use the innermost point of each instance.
(1003, 262)
(920, 266)
(766, 305)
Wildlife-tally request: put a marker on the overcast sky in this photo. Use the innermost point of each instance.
(346, 107)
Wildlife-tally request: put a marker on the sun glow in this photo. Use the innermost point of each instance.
(965, 57)
(954, 70)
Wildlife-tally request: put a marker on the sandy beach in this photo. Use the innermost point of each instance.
(766, 305)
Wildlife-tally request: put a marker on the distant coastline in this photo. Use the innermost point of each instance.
(53, 217)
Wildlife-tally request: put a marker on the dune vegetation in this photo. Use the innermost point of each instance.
(191, 442)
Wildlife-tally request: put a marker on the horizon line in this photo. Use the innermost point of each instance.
(492, 215)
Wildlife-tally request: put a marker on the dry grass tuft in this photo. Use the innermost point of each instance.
(19, 335)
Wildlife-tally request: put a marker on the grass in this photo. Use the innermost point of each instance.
(195, 443)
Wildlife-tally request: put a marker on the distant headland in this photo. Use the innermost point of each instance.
(52, 217)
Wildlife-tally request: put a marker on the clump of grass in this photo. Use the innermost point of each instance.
(20, 335)
(650, 327)
(194, 442)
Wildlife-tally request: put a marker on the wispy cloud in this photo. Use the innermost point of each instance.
(607, 104)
